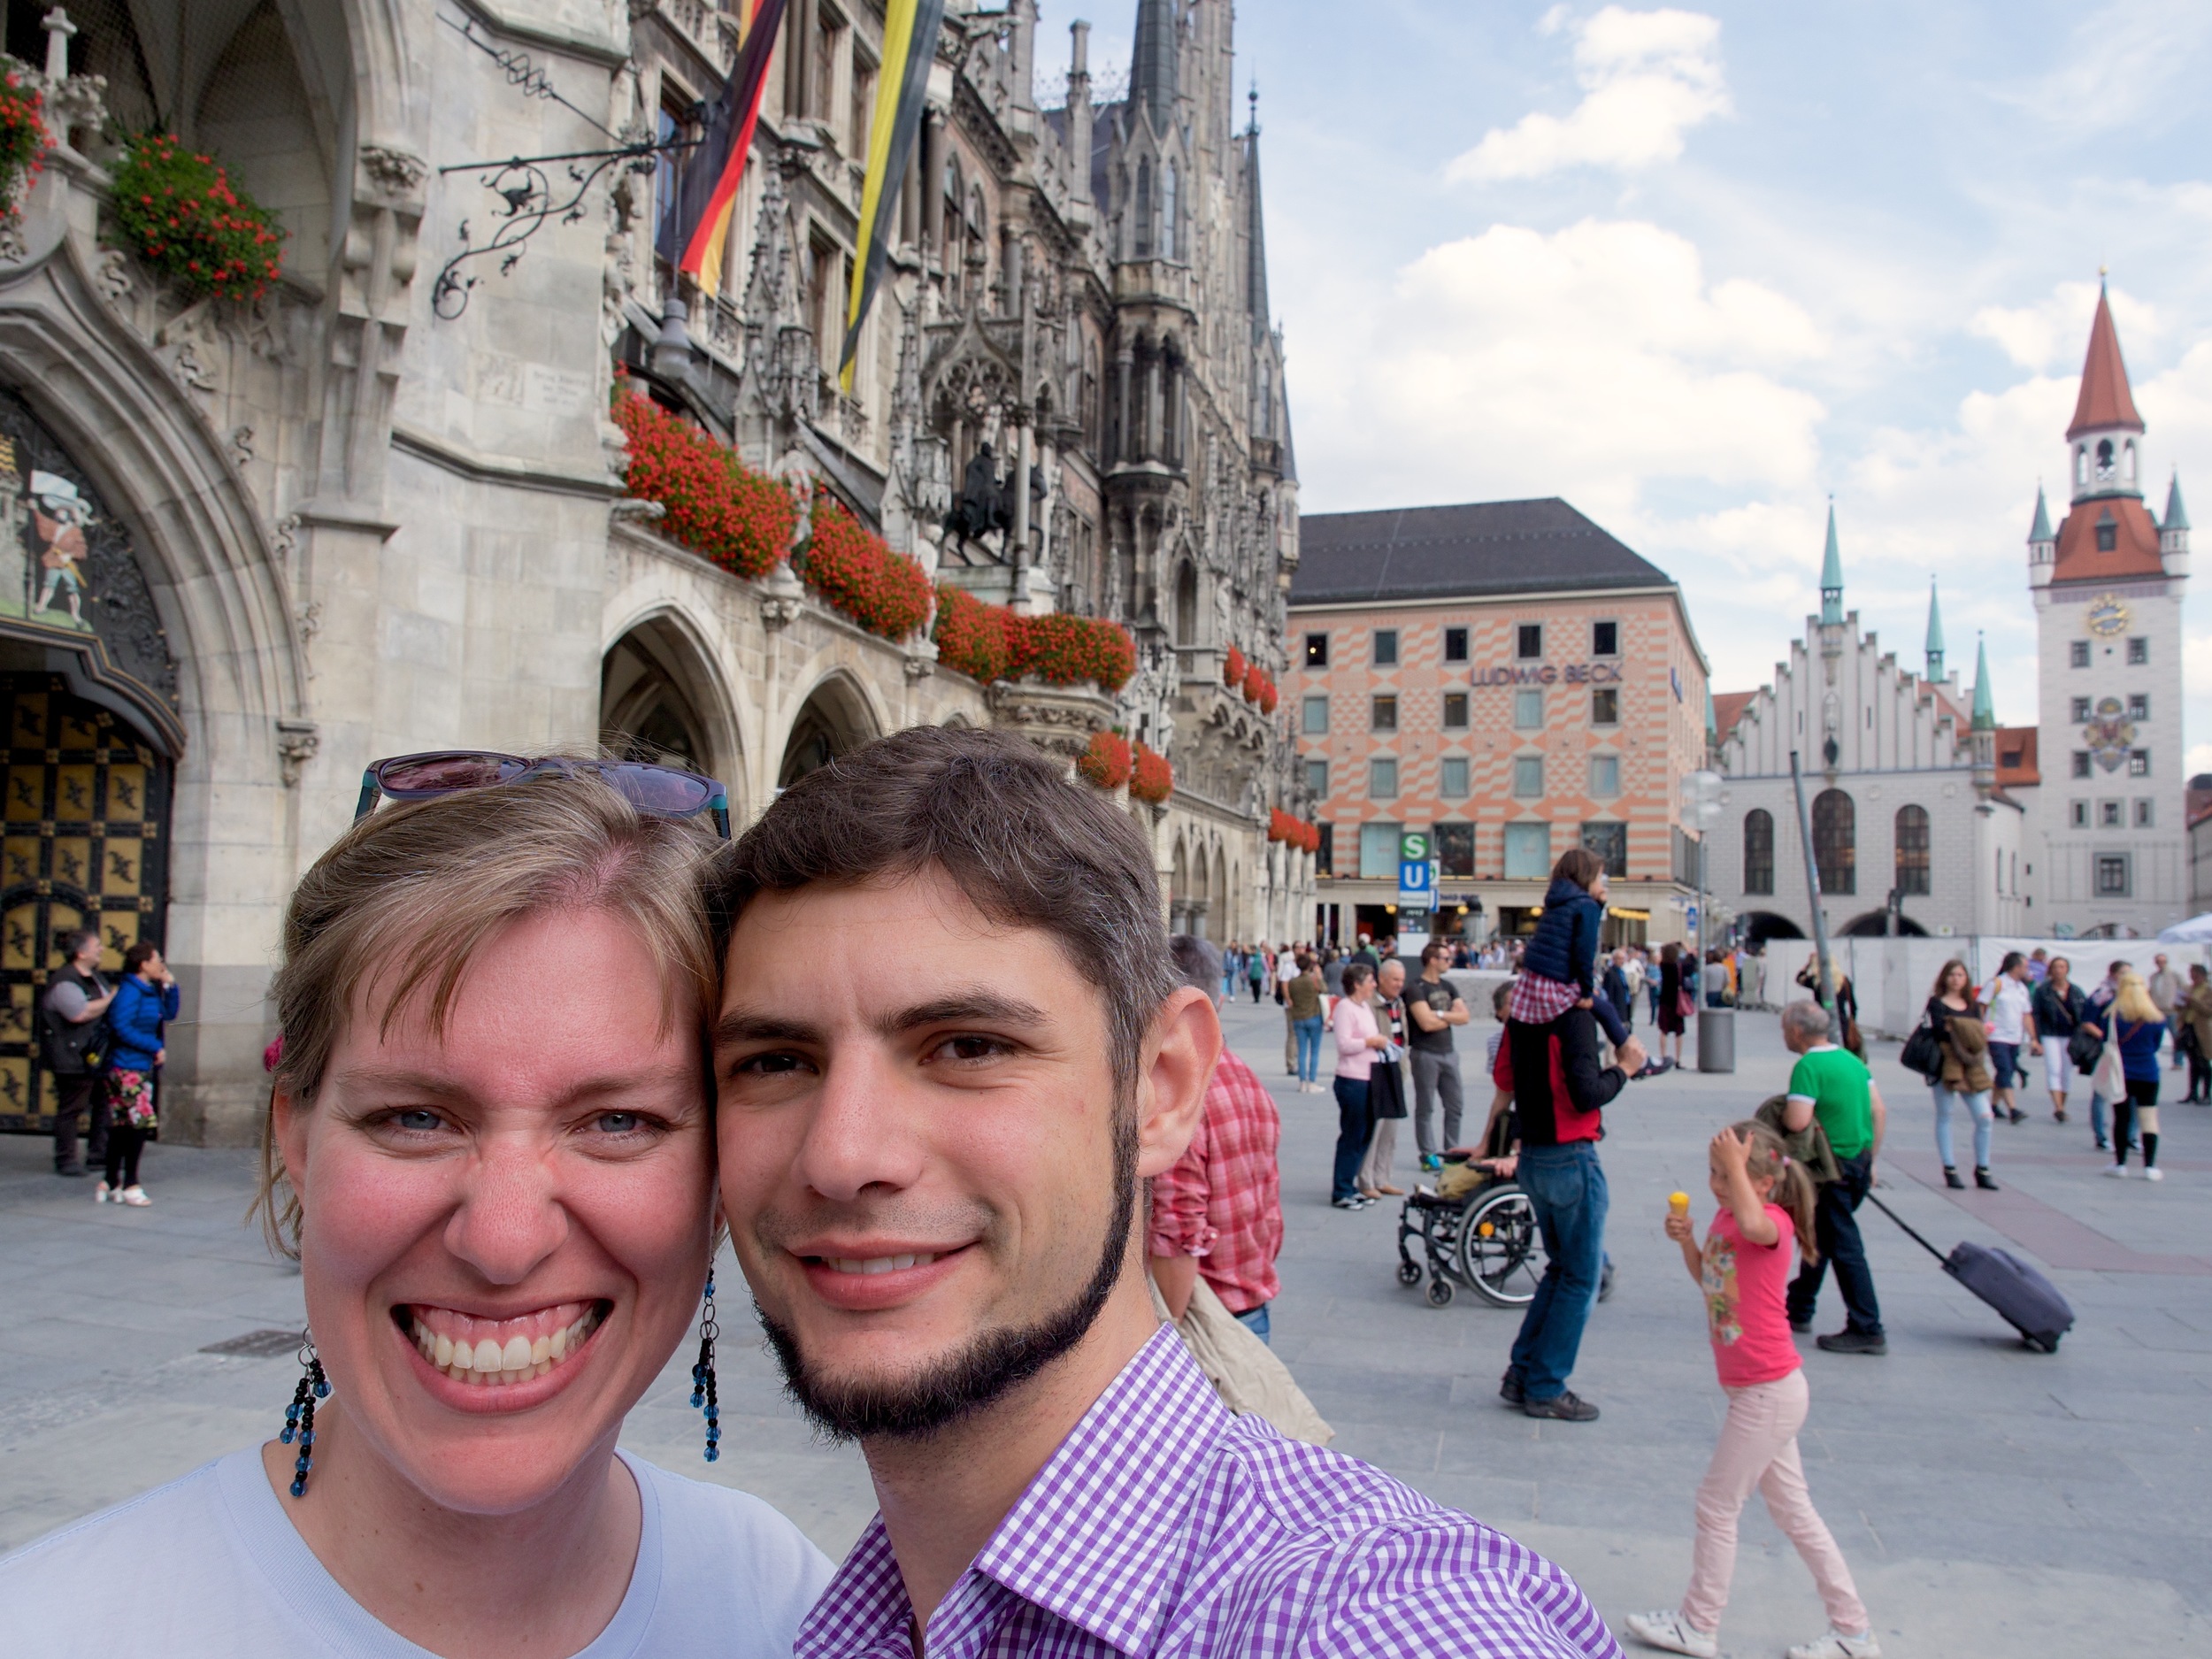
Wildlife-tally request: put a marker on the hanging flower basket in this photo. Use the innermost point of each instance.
(971, 634)
(180, 213)
(1108, 762)
(716, 507)
(1233, 668)
(1062, 649)
(1151, 778)
(22, 141)
(855, 573)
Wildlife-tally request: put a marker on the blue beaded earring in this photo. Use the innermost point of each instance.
(299, 1417)
(702, 1374)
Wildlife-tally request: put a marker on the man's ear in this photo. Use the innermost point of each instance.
(1176, 1065)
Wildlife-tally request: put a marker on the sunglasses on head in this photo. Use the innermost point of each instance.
(665, 791)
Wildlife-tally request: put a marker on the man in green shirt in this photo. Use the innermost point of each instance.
(1834, 1085)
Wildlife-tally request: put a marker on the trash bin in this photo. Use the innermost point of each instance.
(1716, 1040)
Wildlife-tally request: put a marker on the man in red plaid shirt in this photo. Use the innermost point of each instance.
(1218, 1212)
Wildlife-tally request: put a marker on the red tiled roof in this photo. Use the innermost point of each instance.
(2135, 541)
(2105, 400)
(1728, 707)
(2017, 757)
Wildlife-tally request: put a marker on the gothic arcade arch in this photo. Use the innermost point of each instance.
(837, 718)
(662, 697)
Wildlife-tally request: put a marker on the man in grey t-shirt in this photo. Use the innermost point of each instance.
(1435, 1008)
(75, 1000)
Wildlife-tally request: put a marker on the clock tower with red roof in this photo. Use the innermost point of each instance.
(2107, 586)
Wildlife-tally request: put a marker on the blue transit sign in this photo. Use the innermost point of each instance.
(1414, 887)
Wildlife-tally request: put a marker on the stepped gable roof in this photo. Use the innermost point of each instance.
(2017, 762)
(2135, 543)
(2105, 400)
(1728, 707)
(1471, 551)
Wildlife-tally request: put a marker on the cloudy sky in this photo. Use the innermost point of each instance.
(1695, 270)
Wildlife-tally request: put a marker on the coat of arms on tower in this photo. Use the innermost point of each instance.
(2110, 735)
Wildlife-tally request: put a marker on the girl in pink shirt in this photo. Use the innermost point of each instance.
(1766, 1206)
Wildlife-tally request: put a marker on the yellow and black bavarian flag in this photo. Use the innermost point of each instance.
(909, 45)
(697, 229)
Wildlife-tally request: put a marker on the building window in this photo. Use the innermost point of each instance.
(1386, 648)
(1325, 857)
(2108, 532)
(2077, 653)
(1452, 778)
(1528, 641)
(2080, 711)
(2081, 763)
(2112, 875)
(1455, 849)
(1605, 777)
(2138, 705)
(2108, 814)
(2079, 815)
(1758, 850)
(1609, 841)
(1912, 849)
(2139, 763)
(1379, 852)
(863, 104)
(1528, 710)
(1316, 651)
(1527, 851)
(1385, 716)
(1835, 841)
(1605, 639)
(1528, 776)
(1454, 645)
(1686, 856)
(1317, 780)
(1316, 714)
(2139, 649)
(1605, 706)
(2142, 813)
(1456, 711)
(1382, 778)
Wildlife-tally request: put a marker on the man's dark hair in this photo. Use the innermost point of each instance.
(1434, 949)
(70, 940)
(1027, 847)
(1197, 962)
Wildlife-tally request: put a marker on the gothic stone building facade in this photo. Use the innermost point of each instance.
(372, 513)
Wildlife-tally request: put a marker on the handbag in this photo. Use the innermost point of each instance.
(2083, 1049)
(1923, 1051)
(1243, 1370)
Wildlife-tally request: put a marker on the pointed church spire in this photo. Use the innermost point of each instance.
(2105, 401)
(1985, 696)
(1256, 229)
(2176, 516)
(2040, 530)
(1935, 633)
(1152, 66)
(1831, 575)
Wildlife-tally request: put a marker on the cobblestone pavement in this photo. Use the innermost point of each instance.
(1992, 1501)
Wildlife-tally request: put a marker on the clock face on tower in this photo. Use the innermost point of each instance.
(2106, 617)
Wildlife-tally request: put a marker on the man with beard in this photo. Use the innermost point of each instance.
(932, 1146)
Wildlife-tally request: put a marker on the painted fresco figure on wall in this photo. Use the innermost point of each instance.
(59, 516)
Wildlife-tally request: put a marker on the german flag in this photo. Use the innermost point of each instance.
(695, 234)
(909, 45)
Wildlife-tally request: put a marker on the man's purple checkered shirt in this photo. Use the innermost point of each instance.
(1164, 1525)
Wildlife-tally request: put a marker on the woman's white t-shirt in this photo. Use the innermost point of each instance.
(210, 1566)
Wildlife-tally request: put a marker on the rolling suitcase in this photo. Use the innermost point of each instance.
(2029, 1301)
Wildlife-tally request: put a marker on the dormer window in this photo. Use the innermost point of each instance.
(2107, 533)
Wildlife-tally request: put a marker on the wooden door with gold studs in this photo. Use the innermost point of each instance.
(83, 813)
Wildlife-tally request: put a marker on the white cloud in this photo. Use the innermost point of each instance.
(2053, 332)
(1584, 363)
(1647, 77)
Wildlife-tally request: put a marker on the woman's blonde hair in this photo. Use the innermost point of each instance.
(403, 901)
(2134, 1000)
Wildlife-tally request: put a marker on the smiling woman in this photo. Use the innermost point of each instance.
(489, 1145)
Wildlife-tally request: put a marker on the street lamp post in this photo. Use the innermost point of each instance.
(1827, 974)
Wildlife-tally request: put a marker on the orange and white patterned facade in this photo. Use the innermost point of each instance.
(1509, 678)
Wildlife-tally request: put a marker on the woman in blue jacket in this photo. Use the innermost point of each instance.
(145, 1001)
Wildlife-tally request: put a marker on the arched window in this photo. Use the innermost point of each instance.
(2081, 465)
(1186, 603)
(1758, 850)
(2104, 458)
(1142, 225)
(1169, 189)
(1912, 849)
(2127, 462)
(1835, 841)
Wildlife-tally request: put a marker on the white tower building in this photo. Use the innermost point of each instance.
(2107, 586)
